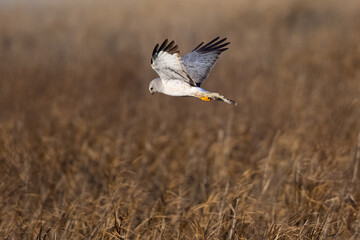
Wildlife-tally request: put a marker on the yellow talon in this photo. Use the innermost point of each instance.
(205, 99)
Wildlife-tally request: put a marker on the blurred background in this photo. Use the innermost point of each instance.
(87, 152)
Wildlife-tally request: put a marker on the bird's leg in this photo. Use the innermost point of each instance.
(208, 96)
(204, 98)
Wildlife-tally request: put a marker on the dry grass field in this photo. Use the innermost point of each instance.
(87, 153)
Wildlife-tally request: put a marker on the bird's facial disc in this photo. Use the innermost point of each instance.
(151, 90)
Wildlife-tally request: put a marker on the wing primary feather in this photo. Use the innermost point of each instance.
(155, 50)
(212, 46)
(215, 44)
(220, 46)
(197, 46)
(163, 45)
(166, 49)
(173, 50)
(218, 42)
(211, 42)
(224, 49)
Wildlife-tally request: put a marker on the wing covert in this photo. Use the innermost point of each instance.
(199, 62)
(167, 63)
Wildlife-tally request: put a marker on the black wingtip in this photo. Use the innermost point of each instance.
(165, 47)
(213, 45)
(169, 46)
(162, 47)
(211, 42)
(197, 47)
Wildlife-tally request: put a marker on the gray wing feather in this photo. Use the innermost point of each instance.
(199, 62)
(167, 63)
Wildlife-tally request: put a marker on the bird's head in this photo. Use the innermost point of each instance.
(155, 86)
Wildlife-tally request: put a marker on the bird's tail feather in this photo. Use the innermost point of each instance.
(216, 96)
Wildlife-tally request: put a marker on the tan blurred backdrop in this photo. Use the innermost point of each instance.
(87, 152)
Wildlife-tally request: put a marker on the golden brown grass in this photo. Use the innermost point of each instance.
(86, 152)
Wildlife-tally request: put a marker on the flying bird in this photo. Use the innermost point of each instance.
(183, 76)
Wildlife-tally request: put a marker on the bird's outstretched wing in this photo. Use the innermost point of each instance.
(199, 62)
(167, 63)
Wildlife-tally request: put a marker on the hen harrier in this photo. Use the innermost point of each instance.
(184, 76)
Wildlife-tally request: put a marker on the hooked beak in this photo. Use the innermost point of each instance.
(152, 93)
